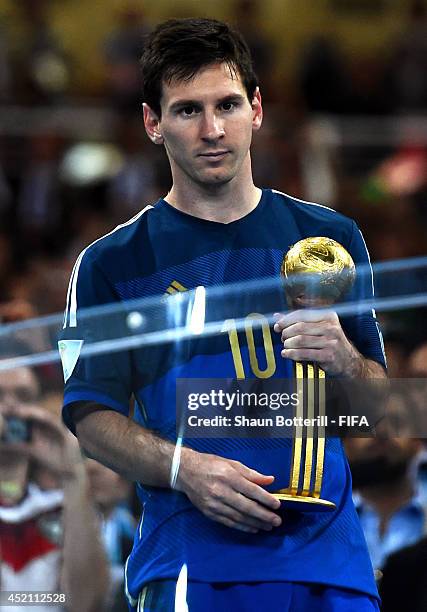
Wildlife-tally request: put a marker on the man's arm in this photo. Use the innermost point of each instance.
(85, 569)
(224, 490)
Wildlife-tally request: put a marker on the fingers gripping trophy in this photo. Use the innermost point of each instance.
(318, 272)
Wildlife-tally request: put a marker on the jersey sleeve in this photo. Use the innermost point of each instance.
(362, 328)
(103, 377)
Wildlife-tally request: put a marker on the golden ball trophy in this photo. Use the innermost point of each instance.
(318, 271)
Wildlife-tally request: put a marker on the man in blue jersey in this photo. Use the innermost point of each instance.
(211, 537)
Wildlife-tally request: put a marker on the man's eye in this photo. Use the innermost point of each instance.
(187, 111)
(228, 106)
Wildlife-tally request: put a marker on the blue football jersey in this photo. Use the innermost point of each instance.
(164, 251)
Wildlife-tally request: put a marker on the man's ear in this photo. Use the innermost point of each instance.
(257, 112)
(152, 124)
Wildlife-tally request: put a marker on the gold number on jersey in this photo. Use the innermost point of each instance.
(230, 327)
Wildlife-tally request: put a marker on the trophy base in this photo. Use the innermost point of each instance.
(302, 503)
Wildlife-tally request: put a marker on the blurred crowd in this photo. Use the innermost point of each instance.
(73, 165)
(63, 516)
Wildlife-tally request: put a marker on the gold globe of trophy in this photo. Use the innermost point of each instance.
(318, 271)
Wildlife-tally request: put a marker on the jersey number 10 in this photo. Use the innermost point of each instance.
(230, 327)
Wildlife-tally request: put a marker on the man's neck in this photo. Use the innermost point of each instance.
(221, 203)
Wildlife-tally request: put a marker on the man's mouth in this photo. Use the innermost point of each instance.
(213, 154)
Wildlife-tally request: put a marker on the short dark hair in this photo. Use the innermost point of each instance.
(178, 48)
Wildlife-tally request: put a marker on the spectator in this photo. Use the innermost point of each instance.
(323, 78)
(5, 68)
(390, 508)
(417, 363)
(122, 50)
(247, 16)
(136, 180)
(417, 369)
(408, 66)
(49, 540)
(45, 67)
(110, 492)
(39, 198)
(404, 582)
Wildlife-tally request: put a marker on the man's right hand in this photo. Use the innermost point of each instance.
(228, 492)
(51, 446)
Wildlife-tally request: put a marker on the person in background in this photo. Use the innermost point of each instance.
(403, 584)
(122, 49)
(391, 510)
(417, 369)
(49, 539)
(137, 178)
(111, 493)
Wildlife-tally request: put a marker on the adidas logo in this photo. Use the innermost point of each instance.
(174, 287)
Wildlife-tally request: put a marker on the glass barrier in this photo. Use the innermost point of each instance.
(203, 370)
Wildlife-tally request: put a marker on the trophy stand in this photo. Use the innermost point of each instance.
(308, 448)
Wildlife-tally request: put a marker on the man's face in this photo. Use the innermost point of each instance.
(386, 457)
(206, 125)
(17, 387)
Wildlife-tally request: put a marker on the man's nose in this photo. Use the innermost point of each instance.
(212, 127)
